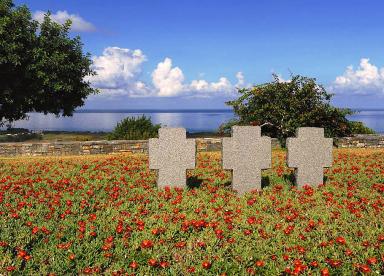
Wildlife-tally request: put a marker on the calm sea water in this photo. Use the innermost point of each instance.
(192, 120)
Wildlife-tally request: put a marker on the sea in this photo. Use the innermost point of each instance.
(193, 120)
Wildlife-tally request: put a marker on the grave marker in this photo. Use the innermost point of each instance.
(310, 152)
(246, 153)
(172, 154)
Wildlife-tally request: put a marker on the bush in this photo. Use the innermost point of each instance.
(359, 128)
(281, 107)
(132, 128)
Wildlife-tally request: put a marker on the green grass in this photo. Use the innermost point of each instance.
(105, 214)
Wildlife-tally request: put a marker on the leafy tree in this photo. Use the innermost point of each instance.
(132, 128)
(281, 107)
(42, 69)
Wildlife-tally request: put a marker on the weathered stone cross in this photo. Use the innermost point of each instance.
(171, 154)
(246, 153)
(309, 153)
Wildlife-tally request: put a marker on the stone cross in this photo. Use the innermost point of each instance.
(171, 154)
(310, 152)
(246, 153)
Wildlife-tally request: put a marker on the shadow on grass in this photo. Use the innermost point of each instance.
(265, 181)
(228, 184)
(194, 182)
(290, 178)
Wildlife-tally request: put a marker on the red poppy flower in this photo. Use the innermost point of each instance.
(259, 263)
(325, 272)
(133, 265)
(146, 244)
(364, 268)
(152, 262)
(372, 261)
(206, 265)
(340, 240)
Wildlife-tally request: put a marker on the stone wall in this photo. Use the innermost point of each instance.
(73, 148)
(361, 141)
(141, 146)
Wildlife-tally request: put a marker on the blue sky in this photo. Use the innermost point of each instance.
(193, 54)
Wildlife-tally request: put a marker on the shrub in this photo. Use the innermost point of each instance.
(132, 128)
(359, 128)
(281, 107)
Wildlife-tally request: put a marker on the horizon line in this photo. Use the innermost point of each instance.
(153, 110)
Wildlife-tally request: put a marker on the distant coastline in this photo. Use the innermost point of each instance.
(184, 110)
(154, 111)
(193, 120)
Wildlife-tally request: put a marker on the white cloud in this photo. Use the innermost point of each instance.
(202, 86)
(240, 79)
(366, 79)
(167, 80)
(78, 23)
(119, 71)
(281, 79)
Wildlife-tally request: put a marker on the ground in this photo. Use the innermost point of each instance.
(104, 213)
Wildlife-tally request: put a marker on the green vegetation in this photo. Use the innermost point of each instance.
(50, 136)
(23, 135)
(281, 107)
(132, 128)
(18, 135)
(104, 215)
(73, 136)
(359, 128)
(42, 69)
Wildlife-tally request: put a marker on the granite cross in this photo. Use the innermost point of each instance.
(309, 153)
(171, 154)
(246, 153)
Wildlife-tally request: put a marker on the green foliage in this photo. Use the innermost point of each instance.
(92, 215)
(132, 128)
(281, 107)
(359, 128)
(42, 69)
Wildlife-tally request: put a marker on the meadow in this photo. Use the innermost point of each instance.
(104, 214)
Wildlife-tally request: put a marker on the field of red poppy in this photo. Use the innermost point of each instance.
(104, 214)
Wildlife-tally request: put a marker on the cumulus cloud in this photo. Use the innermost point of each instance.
(223, 85)
(169, 81)
(78, 23)
(366, 79)
(119, 73)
